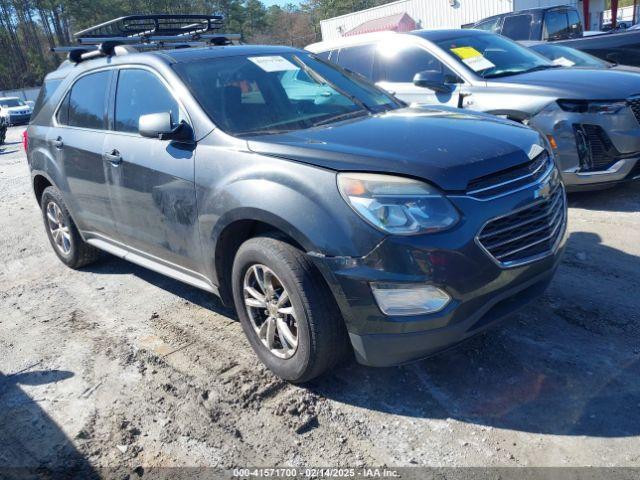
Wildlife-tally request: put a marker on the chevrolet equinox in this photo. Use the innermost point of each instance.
(333, 216)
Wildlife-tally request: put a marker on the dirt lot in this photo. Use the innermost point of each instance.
(118, 366)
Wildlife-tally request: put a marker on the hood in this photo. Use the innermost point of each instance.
(448, 147)
(19, 109)
(580, 83)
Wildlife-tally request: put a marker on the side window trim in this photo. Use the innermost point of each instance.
(162, 80)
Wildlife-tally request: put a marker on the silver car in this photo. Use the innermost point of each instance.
(590, 117)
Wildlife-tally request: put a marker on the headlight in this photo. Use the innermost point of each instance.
(397, 205)
(585, 106)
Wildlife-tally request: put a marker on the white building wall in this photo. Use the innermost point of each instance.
(429, 14)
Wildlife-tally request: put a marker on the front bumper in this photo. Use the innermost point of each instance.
(482, 291)
(593, 150)
(18, 119)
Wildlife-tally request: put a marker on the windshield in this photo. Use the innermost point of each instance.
(569, 57)
(492, 56)
(11, 102)
(267, 94)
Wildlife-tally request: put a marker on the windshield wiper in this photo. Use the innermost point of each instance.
(507, 73)
(265, 131)
(342, 116)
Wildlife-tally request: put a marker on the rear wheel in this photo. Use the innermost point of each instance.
(286, 310)
(63, 233)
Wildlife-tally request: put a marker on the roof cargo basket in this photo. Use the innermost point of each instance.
(144, 32)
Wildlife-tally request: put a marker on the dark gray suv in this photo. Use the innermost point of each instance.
(333, 216)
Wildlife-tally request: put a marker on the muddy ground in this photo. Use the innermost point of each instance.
(116, 366)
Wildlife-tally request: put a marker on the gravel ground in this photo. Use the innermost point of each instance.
(115, 365)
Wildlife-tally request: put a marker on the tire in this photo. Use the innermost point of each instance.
(70, 248)
(322, 339)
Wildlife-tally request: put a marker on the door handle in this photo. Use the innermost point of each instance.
(58, 143)
(113, 157)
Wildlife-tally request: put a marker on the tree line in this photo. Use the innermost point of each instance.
(30, 28)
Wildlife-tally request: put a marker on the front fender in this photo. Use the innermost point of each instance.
(300, 200)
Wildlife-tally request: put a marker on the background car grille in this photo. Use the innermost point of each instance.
(595, 148)
(634, 103)
(506, 181)
(528, 233)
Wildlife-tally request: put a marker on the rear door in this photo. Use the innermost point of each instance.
(76, 140)
(151, 180)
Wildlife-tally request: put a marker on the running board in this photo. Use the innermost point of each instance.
(153, 265)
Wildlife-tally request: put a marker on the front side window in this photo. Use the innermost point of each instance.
(556, 25)
(400, 63)
(140, 92)
(491, 56)
(517, 27)
(267, 94)
(575, 25)
(87, 102)
(358, 59)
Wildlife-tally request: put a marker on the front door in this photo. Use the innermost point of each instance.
(396, 65)
(152, 180)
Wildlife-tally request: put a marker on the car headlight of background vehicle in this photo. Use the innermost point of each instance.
(586, 106)
(397, 205)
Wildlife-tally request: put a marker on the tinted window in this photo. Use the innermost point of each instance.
(575, 26)
(556, 25)
(46, 91)
(401, 64)
(517, 27)
(140, 93)
(357, 59)
(324, 55)
(489, 25)
(87, 101)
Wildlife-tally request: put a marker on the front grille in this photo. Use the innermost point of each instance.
(526, 234)
(506, 181)
(634, 103)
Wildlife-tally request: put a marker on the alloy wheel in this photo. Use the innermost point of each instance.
(59, 229)
(270, 310)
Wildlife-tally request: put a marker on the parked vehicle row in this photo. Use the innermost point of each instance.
(591, 127)
(334, 216)
(562, 25)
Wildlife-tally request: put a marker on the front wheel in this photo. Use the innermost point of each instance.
(286, 310)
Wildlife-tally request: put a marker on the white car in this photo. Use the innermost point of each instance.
(15, 111)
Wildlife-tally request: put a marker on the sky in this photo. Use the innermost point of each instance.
(281, 3)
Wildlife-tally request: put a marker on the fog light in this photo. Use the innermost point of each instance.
(409, 299)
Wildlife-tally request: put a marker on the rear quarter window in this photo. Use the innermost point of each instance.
(46, 91)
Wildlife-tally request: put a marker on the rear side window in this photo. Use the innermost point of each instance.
(87, 101)
(46, 91)
(556, 25)
(517, 27)
(357, 59)
(140, 93)
(575, 25)
(401, 65)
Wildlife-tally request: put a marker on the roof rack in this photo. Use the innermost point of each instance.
(133, 33)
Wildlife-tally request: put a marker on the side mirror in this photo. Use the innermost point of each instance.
(158, 125)
(434, 80)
